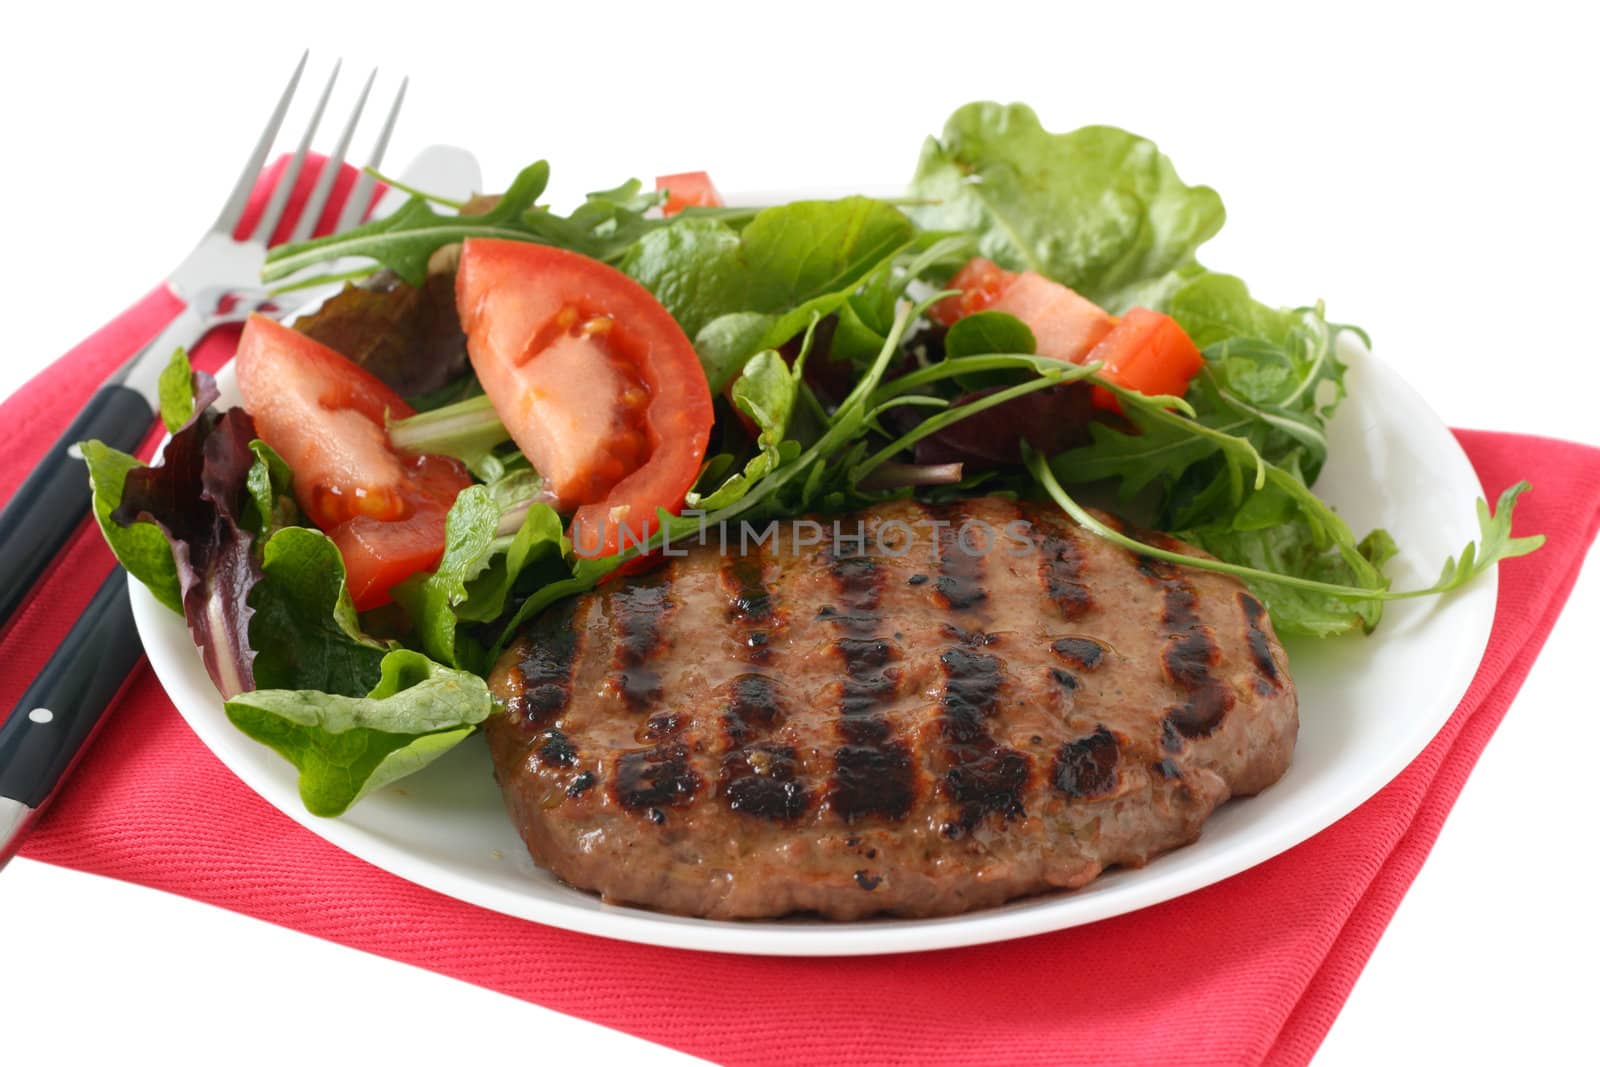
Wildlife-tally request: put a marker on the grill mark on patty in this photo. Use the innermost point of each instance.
(745, 579)
(752, 708)
(547, 655)
(1061, 571)
(1190, 654)
(750, 603)
(872, 769)
(959, 586)
(640, 609)
(1256, 638)
(762, 780)
(654, 778)
(1085, 653)
(983, 776)
(1087, 767)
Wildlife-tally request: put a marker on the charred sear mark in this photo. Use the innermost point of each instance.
(744, 578)
(580, 784)
(959, 586)
(1188, 659)
(752, 708)
(1087, 767)
(640, 609)
(1085, 653)
(1256, 638)
(1064, 679)
(546, 657)
(872, 768)
(984, 777)
(760, 780)
(1061, 573)
(1167, 769)
(662, 725)
(867, 881)
(1159, 569)
(658, 777)
(970, 638)
(555, 750)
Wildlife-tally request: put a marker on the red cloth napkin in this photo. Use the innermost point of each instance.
(1249, 971)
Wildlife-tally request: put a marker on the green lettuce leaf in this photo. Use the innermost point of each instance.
(345, 747)
(141, 547)
(1098, 209)
(304, 631)
(478, 573)
(739, 291)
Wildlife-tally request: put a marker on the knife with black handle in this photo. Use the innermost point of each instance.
(53, 723)
(46, 509)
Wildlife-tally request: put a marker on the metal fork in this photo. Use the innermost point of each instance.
(218, 282)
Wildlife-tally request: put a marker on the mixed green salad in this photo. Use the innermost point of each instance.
(824, 355)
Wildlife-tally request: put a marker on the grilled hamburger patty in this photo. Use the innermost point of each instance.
(931, 719)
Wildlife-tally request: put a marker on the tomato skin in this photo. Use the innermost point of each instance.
(1065, 325)
(689, 189)
(1149, 353)
(981, 282)
(594, 379)
(325, 416)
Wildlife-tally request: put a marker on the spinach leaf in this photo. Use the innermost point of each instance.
(1098, 209)
(345, 747)
(988, 332)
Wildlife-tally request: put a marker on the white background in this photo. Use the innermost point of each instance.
(1431, 174)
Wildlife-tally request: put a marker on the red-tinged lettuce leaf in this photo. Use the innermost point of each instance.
(1050, 420)
(408, 336)
(196, 496)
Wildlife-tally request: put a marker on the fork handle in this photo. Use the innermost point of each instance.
(47, 508)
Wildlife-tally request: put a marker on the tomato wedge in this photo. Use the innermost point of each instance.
(1065, 326)
(690, 189)
(1149, 353)
(325, 416)
(594, 379)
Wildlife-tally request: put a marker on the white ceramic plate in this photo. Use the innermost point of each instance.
(1368, 707)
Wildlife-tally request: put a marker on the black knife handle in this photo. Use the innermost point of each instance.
(48, 507)
(55, 719)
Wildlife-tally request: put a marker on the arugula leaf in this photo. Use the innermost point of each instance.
(1098, 209)
(345, 747)
(766, 391)
(607, 224)
(1496, 544)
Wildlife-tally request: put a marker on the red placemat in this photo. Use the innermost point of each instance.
(1251, 970)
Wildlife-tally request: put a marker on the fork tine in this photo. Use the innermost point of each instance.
(355, 204)
(268, 222)
(330, 170)
(233, 208)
